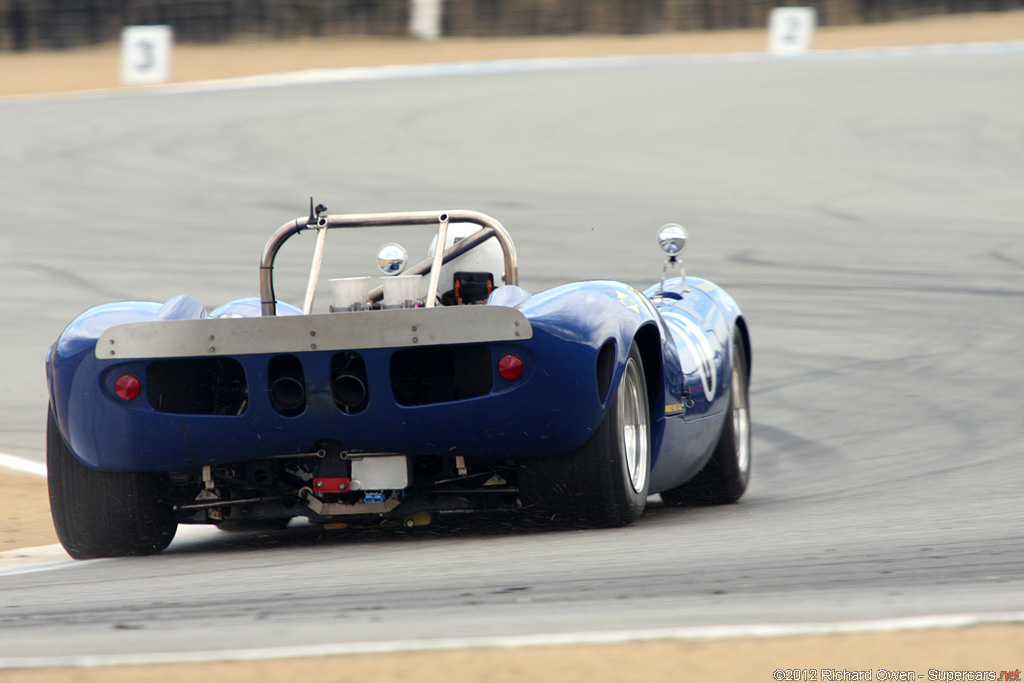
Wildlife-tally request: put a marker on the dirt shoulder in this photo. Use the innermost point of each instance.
(24, 513)
(98, 67)
(885, 656)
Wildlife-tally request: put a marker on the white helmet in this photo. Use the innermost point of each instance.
(480, 269)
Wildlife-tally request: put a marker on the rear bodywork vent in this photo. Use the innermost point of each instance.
(197, 386)
(605, 369)
(438, 374)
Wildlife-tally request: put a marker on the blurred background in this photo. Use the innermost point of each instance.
(56, 24)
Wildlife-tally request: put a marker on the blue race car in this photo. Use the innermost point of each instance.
(444, 387)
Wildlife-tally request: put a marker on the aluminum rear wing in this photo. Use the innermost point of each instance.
(488, 227)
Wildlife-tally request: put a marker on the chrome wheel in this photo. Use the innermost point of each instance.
(740, 418)
(633, 426)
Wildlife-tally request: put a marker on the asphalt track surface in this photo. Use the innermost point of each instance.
(865, 213)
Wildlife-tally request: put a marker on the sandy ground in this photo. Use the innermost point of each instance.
(982, 648)
(24, 507)
(91, 68)
(24, 513)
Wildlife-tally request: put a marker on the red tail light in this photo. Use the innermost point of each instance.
(510, 366)
(127, 386)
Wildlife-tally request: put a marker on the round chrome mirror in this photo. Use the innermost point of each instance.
(391, 259)
(672, 239)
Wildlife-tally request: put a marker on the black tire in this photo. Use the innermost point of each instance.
(725, 477)
(105, 514)
(604, 483)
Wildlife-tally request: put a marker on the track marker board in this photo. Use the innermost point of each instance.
(425, 19)
(791, 30)
(146, 54)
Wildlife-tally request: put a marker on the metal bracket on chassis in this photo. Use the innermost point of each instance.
(337, 509)
(211, 503)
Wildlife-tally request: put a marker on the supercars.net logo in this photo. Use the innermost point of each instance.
(894, 675)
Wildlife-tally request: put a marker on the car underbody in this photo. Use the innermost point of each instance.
(329, 485)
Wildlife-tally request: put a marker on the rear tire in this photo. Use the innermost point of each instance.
(105, 514)
(725, 477)
(604, 483)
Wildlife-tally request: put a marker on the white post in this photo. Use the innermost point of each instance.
(425, 19)
(791, 30)
(146, 54)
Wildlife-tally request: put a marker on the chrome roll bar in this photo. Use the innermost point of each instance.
(488, 227)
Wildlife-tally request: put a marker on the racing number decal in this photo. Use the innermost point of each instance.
(697, 343)
(627, 300)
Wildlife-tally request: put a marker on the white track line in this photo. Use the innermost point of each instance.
(36, 567)
(22, 465)
(537, 640)
(410, 71)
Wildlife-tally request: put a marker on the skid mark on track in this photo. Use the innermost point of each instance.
(748, 258)
(76, 281)
(792, 445)
(1001, 256)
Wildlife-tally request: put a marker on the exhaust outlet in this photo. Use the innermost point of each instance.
(349, 392)
(287, 385)
(287, 394)
(349, 385)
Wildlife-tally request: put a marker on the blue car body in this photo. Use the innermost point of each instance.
(205, 401)
(552, 408)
